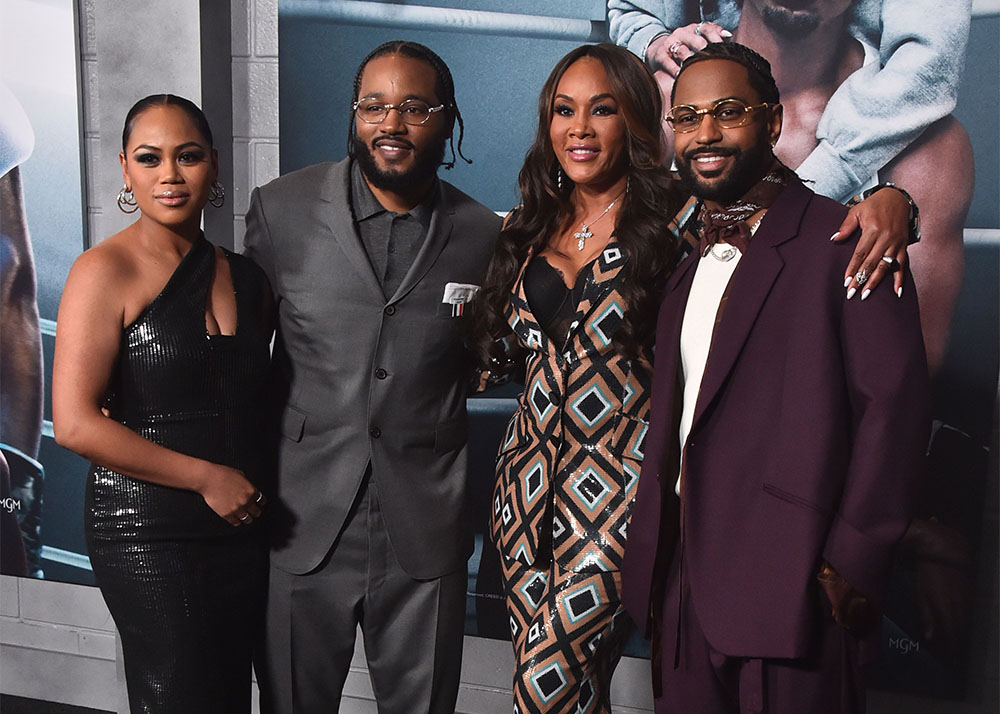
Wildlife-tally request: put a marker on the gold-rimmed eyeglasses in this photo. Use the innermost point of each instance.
(727, 113)
(413, 111)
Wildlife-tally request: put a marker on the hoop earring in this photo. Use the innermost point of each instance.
(217, 195)
(126, 199)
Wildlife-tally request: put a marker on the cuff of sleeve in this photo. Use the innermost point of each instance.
(640, 41)
(860, 559)
(830, 175)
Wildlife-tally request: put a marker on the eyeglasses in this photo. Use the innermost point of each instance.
(727, 113)
(413, 111)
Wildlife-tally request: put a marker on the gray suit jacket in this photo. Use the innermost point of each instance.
(359, 377)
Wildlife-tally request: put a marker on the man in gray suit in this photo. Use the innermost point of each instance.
(371, 260)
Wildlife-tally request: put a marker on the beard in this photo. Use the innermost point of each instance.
(421, 171)
(748, 168)
(788, 23)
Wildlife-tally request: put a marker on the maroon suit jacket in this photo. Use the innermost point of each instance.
(806, 443)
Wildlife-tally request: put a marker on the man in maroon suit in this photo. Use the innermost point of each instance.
(787, 429)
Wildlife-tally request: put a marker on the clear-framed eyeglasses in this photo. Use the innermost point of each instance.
(413, 111)
(727, 113)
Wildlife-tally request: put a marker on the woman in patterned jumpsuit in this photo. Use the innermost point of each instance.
(575, 279)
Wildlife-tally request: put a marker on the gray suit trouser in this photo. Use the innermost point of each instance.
(412, 629)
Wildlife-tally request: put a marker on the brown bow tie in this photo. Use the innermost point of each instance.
(735, 234)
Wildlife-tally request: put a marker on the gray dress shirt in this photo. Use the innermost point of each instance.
(392, 240)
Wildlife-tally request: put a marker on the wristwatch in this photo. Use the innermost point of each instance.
(914, 211)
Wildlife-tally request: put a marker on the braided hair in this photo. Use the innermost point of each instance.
(758, 68)
(444, 85)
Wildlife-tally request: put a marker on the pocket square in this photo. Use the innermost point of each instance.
(458, 293)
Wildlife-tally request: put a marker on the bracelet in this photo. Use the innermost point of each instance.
(650, 41)
(914, 211)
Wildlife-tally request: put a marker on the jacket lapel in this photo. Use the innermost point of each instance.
(749, 288)
(519, 316)
(668, 332)
(335, 212)
(598, 285)
(438, 233)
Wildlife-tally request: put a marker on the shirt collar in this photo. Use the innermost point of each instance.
(366, 206)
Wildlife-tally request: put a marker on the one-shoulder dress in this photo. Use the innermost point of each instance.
(184, 587)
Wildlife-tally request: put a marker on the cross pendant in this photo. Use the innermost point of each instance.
(582, 237)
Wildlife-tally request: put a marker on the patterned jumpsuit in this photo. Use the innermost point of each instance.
(566, 475)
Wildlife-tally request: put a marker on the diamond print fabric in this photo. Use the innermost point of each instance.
(566, 469)
(568, 630)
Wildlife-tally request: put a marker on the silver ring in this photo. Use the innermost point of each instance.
(889, 259)
(260, 497)
(697, 29)
(245, 517)
(861, 277)
(672, 50)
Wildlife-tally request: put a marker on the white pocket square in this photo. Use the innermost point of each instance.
(458, 293)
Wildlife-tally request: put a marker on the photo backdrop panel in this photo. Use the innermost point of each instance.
(39, 66)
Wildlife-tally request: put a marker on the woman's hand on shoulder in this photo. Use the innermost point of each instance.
(884, 221)
(228, 493)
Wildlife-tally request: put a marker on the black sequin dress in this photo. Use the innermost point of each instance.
(185, 588)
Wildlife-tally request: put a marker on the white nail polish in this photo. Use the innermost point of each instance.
(834, 236)
(726, 33)
(866, 293)
(899, 291)
(850, 293)
(847, 281)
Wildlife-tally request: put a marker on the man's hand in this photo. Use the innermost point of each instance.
(850, 609)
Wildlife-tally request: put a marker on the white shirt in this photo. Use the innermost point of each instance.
(711, 278)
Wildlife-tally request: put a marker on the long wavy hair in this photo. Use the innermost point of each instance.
(650, 203)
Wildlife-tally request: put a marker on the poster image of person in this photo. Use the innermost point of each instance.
(42, 229)
(21, 350)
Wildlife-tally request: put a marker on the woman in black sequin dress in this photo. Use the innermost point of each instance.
(160, 362)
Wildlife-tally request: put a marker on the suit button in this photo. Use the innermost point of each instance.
(555, 400)
(390, 310)
(381, 373)
(375, 432)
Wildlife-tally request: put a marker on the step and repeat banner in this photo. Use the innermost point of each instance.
(903, 99)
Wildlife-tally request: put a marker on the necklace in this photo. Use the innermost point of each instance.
(584, 233)
(724, 252)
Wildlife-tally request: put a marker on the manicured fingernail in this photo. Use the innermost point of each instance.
(899, 291)
(847, 280)
(726, 33)
(850, 293)
(866, 293)
(834, 236)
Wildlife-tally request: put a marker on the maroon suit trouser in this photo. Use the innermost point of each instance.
(698, 679)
